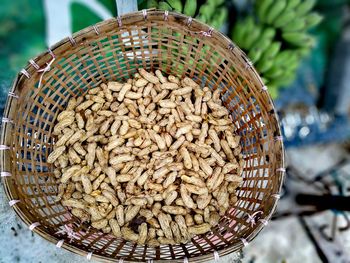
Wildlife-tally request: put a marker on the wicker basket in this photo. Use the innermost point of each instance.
(113, 50)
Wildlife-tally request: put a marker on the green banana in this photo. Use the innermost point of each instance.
(223, 15)
(284, 18)
(220, 18)
(296, 38)
(305, 7)
(215, 2)
(283, 80)
(255, 54)
(202, 18)
(268, 33)
(289, 64)
(248, 26)
(241, 30)
(265, 39)
(273, 91)
(275, 11)
(294, 59)
(264, 80)
(274, 72)
(164, 6)
(294, 25)
(312, 20)
(276, 64)
(152, 3)
(262, 8)
(272, 51)
(190, 7)
(238, 33)
(206, 12)
(175, 4)
(251, 37)
(303, 52)
(293, 65)
(292, 4)
(211, 4)
(285, 57)
(303, 41)
(215, 23)
(283, 67)
(262, 44)
(264, 65)
(310, 42)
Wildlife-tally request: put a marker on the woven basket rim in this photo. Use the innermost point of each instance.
(77, 37)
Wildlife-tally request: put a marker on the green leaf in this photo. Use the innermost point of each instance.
(110, 5)
(22, 36)
(82, 17)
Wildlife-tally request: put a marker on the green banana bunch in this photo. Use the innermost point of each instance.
(294, 25)
(286, 58)
(275, 10)
(276, 38)
(262, 8)
(190, 7)
(261, 44)
(251, 38)
(264, 65)
(284, 18)
(164, 6)
(170, 5)
(266, 61)
(285, 63)
(298, 39)
(289, 15)
(303, 24)
(292, 4)
(213, 13)
(312, 20)
(242, 30)
(255, 54)
(274, 72)
(271, 52)
(175, 5)
(205, 13)
(152, 3)
(304, 7)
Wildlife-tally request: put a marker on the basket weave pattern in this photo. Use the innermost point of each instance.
(113, 50)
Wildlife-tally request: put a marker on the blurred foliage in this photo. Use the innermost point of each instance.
(21, 37)
(82, 16)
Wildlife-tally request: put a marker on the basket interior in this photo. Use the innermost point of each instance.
(114, 51)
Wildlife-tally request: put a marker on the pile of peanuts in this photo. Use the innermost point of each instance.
(154, 160)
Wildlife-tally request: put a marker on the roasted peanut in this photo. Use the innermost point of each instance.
(115, 227)
(199, 229)
(155, 148)
(165, 223)
(129, 235)
(131, 212)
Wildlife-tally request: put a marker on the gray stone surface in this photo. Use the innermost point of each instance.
(281, 240)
